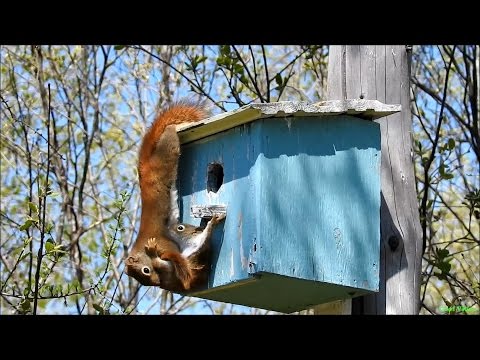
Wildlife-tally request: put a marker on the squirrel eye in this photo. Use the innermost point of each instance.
(146, 270)
(180, 227)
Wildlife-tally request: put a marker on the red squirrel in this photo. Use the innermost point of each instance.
(166, 253)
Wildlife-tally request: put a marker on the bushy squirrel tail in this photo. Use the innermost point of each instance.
(175, 114)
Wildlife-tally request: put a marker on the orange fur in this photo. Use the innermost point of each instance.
(182, 267)
(157, 167)
(179, 113)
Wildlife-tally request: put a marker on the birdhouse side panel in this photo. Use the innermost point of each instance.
(317, 191)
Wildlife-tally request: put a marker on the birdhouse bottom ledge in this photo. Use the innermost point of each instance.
(282, 293)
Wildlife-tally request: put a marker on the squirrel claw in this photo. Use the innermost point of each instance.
(151, 247)
(217, 218)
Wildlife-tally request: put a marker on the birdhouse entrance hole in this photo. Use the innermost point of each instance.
(214, 177)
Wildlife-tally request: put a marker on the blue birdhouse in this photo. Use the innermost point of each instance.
(300, 184)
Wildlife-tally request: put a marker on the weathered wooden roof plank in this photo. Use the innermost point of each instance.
(365, 109)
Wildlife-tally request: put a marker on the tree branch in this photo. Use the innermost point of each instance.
(43, 209)
(428, 163)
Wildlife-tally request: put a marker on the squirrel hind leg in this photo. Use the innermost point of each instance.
(168, 143)
(174, 210)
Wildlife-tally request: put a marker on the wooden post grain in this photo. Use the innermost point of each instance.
(382, 73)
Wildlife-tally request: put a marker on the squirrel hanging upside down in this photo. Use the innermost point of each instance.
(166, 253)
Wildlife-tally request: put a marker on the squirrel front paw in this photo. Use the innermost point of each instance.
(151, 247)
(217, 218)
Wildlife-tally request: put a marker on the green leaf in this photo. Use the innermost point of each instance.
(443, 172)
(441, 169)
(441, 276)
(33, 207)
(225, 50)
(24, 256)
(48, 227)
(238, 68)
(99, 309)
(451, 143)
(49, 246)
(278, 79)
(75, 284)
(119, 47)
(26, 225)
(25, 305)
(444, 267)
(447, 267)
(442, 253)
(220, 61)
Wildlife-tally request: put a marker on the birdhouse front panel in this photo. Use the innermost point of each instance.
(236, 152)
(302, 196)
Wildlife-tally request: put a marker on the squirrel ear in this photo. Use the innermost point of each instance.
(131, 260)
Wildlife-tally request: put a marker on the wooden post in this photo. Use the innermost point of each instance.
(382, 73)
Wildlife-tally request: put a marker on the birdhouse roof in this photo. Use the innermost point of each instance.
(364, 109)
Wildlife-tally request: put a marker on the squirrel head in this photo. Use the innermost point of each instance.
(182, 233)
(144, 268)
(150, 270)
(195, 248)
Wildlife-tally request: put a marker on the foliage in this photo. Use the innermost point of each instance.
(447, 153)
(72, 117)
